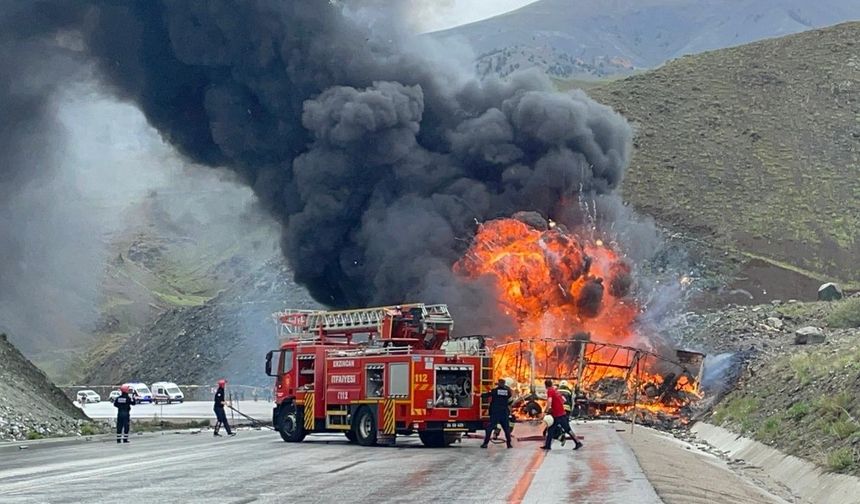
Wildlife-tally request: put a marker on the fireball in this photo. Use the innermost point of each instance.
(566, 292)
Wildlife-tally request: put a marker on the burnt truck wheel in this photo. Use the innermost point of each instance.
(364, 427)
(291, 424)
(438, 439)
(532, 409)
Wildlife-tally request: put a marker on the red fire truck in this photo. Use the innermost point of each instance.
(377, 373)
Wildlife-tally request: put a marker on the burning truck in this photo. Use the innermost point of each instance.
(576, 321)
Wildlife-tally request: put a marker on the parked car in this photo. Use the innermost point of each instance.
(139, 392)
(88, 396)
(166, 392)
(114, 394)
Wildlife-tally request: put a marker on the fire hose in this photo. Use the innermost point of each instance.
(255, 421)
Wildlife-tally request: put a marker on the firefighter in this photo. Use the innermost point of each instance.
(555, 408)
(566, 394)
(500, 400)
(123, 414)
(580, 406)
(220, 416)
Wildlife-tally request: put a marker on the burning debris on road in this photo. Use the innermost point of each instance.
(575, 316)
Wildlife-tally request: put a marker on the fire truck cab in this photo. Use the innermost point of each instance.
(377, 373)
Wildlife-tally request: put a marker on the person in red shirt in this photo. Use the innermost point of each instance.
(555, 407)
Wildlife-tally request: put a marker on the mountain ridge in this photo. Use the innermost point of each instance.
(600, 38)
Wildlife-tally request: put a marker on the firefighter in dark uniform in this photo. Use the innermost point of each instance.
(123, 414)
(219, 410)
(500, 399)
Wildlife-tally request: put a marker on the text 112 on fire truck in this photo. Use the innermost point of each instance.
(377, 373)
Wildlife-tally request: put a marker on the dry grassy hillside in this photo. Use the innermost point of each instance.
(758, 145)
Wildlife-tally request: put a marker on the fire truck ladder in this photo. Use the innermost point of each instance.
(367, 318)
(486, 383)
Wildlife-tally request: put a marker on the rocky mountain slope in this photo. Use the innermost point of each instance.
(797, 370)
(182, 251)
(224, 337)
(756, 150)
(596, 38)
(30, 405)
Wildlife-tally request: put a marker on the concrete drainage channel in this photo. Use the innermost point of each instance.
(804, 479)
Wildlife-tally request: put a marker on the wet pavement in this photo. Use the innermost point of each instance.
(256, 466)
(605, 471)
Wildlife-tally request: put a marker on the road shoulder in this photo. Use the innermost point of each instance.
(682, 474)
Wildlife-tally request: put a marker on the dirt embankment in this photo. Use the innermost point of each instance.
(800, 398)
(30, 405)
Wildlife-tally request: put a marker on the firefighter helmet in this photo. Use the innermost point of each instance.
(548, 420)
(564, 384)
(124, 389)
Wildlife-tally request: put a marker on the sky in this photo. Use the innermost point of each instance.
(447, 14)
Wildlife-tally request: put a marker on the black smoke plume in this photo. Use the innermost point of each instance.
(376, 154)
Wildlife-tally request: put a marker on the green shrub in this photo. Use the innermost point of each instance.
(834, 406)
(802, 365)
(845, 314)
(31, 435)
(770, 429)
(797, 310)
(798, 410)
(843, 428)
(738, 410)
(88, 429)
(841, 460)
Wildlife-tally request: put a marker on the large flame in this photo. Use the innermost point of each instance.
(570, 298)
(552, 284)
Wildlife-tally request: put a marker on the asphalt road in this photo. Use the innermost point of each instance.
(191, 410)
(256, 466)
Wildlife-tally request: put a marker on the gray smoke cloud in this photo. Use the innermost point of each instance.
(34, 72)
(376, 154)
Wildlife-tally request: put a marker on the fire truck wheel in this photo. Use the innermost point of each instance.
(350, 436)
(437, 439)
(292, 428)
(364, 427)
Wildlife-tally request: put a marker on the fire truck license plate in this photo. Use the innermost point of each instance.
(455, 425)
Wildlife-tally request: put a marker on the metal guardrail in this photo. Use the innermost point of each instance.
(193, 392)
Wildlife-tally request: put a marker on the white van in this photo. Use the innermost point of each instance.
(88, 396)
(166, 392)
(139, 392)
